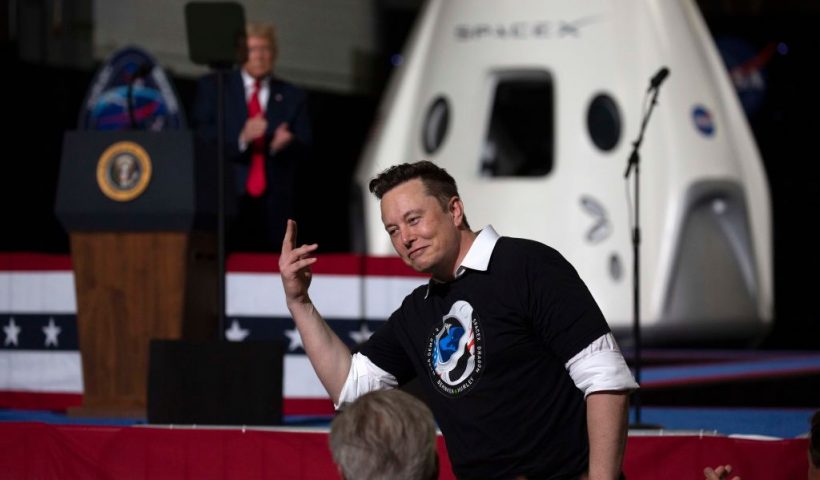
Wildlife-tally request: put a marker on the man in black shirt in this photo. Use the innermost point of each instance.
(514, 356)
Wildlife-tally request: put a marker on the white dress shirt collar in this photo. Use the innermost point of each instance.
(478, 256)
(264, 87)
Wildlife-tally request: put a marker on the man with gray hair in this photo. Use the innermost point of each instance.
(385, 434)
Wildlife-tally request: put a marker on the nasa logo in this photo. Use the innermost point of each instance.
(123, 171)
(703, 120)
(455, 351)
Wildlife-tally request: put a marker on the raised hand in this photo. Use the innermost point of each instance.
(294, 266)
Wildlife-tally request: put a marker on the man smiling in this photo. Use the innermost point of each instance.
(513, 355)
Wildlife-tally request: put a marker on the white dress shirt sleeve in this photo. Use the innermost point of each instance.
(364, 376)
(601, 367)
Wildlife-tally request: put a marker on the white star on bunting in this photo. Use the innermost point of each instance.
(295, 339)
(362, 334)
(236, 333)
(52, 331)
(12, 332)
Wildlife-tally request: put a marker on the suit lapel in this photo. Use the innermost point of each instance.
(237, 90)
(275, 109)
(236, 108)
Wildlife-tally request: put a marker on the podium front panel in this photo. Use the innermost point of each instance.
(128, 181)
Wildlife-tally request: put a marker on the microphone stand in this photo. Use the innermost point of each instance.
(220, 215)
(130, 103)
(142, 71)
(634, 164)
(220, 70)
(216, 34)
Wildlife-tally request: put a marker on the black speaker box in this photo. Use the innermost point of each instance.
(219, 383)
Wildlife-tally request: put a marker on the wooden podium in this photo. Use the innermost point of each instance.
(143, 249)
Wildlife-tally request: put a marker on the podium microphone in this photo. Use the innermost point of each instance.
(141, 72)
(658, 78)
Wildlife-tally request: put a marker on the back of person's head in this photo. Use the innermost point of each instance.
(437, 182)
(814, 447)
(387, 434)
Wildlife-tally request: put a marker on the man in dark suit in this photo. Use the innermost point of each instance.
(267, 133)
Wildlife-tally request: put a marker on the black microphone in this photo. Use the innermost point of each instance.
(658, 78)
(141, 72)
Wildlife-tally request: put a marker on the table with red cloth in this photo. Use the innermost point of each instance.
(31, 450)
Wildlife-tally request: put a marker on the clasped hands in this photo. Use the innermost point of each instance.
(255, 127)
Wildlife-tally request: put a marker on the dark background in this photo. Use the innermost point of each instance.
(41, 102)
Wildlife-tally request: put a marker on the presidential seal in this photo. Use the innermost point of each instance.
(455, 351)
(123, 171)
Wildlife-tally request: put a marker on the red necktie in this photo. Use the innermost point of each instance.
(255, 185)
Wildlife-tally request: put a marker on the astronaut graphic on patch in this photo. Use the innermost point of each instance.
(455, 350)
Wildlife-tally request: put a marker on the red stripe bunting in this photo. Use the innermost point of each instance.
(53, 401)
(30, 261)
(60, 402)
(328, 264)
(308, 406)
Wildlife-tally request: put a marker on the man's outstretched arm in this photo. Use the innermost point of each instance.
(329, 356)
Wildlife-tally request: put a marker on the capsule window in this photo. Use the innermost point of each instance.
(519, 141)
(604, 122)
(435, 125)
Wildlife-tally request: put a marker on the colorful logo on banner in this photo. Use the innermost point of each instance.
(131, 92)
(702, 118)
(123, 171)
